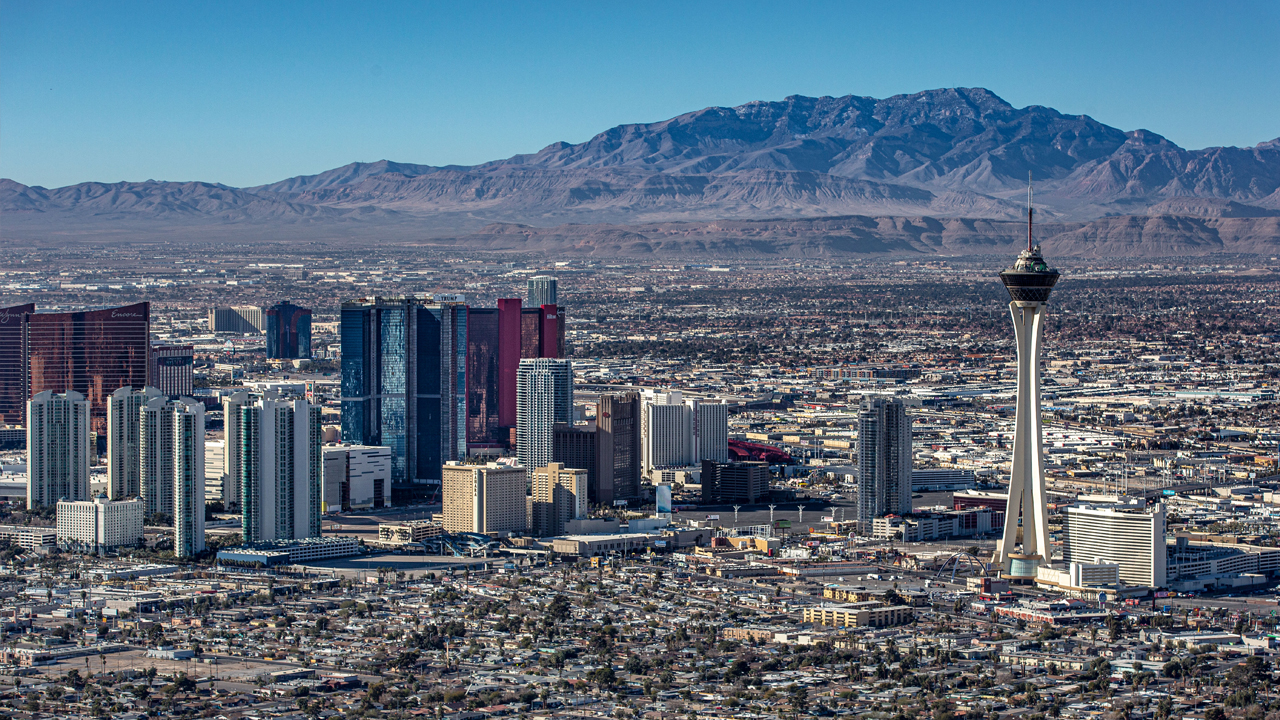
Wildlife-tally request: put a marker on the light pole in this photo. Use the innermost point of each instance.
(801, 509)
(735, 514)
(771, 507)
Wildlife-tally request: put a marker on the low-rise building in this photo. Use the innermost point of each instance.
(100, 524)
(862, 614)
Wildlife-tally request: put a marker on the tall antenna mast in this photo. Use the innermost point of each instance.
(1030, 211)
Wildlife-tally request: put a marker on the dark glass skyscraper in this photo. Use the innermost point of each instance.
(617, 475)
(288, 331)
(93, 353)
(13, 366)
(404, 385)
(483, 351)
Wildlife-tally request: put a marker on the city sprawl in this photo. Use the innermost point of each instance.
(300, 480)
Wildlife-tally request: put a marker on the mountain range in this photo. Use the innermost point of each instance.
(939, 156)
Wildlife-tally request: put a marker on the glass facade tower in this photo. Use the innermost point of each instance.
(404, 384)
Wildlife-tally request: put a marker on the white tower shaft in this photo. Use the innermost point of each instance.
(1026, 482)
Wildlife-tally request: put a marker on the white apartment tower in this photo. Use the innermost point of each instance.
(57, 448)
(544, 398)
(171, 467)
(884, 460)
(124, 441)
(274, 457)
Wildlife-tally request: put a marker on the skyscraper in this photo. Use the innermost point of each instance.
(542, 291)
(404, 385)
(1029, 282)
(13, 365)
(544, 397)
(884, 460)
(57, 448)
(274, 457)
(172, 369)
(185, 421)
(559, 495)
(124, 441)
(617, 448)
(93, 353)
(288, 329)
(542, 332)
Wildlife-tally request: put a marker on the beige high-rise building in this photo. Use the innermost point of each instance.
(559, 495)
(488, 499)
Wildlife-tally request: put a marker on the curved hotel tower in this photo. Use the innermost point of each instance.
(1029, 282)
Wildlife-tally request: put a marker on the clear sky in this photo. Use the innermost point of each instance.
(245, 93)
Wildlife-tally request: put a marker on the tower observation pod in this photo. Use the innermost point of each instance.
(1029, 282)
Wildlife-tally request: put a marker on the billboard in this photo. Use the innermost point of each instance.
(664, 499)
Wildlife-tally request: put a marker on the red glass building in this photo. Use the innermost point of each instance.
(93, 353)
(497, 339)
(13, 366)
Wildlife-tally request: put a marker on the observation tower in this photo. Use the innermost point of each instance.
(1029, 282)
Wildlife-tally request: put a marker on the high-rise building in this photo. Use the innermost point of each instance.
(172, 369)
(404, 384)
(241, 320)
(575, 447)
(542, 291)
(544, 398)
(356, 477)
(1131, 536)
(745, 483)
(215, 475)
(57, 448)
(13, 365)
(1029, 281)
(542, 332)
(498, 339)
(93, 353)
(99, 525)
(124, 441)
(667, 436)
(559, 495)
(288, 330)
(487, 499)
(171, 455)
(884, 460)
(274, 457)
(676, 432)
(617, 448)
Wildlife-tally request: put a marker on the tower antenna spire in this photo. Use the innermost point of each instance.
(1030, 211)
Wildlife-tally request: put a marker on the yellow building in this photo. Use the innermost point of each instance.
(487, 499)
(862, 614)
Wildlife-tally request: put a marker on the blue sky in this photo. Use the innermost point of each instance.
(245, 93)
